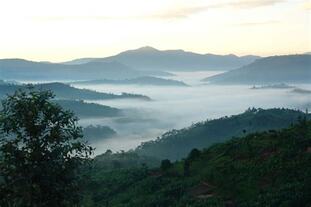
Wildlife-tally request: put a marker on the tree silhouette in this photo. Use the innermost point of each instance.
(166, 164)
(41, 152)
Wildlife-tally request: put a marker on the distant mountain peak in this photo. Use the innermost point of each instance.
(141, 50)
(153, 59)
(147, 48)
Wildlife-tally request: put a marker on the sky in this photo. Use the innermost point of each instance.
(60, 30)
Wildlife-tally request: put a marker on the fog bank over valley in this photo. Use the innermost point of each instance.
(138, 95)
(177, 107)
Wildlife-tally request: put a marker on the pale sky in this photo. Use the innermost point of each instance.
(59, 30)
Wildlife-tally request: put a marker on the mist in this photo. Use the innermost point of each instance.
(177, 107)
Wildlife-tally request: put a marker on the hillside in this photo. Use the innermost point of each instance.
(262, 169)
(110, 161)
(176, 144)
(271, 70)
(148, 58)
(98, 133)
(73, 101)
(64, 91)
(89, 110)
(19, 69)
(146, 80)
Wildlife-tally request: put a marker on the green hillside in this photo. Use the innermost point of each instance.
(98, 133)
(176, 144)
(261, 169)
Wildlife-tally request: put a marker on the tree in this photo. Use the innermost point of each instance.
(41, 152)
(165, 164)
(194, 154)
(186, 167)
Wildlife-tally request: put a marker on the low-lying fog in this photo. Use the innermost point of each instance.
(177, 107)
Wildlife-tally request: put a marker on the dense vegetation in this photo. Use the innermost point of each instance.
(97, 133)
(269, 70)
(64, 91)
(110, 161)
(44, 160)
(176, 144)
(261, 169)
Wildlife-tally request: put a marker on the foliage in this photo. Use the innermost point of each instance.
(41, 150)
(122, 160)
(270, 168)
(176, 144)
(166, 164)
(97, 133)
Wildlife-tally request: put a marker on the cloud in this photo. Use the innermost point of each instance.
(76, 18)
(173, 12)
(179, 13)
(307, 5)
(250, 24)
(166, 14)
(236, 4)
(248, 4)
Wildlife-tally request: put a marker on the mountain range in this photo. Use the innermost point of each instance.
(19, 69)
(148, 58)
(269, 70)
(148, 61)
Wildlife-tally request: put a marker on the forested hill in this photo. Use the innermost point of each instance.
(19, 69)
(64, 91)
(89, 110)
(176, 144)
(146, 80)
(270, 70)
(262, 169)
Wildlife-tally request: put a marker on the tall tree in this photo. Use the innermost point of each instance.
(41, 152)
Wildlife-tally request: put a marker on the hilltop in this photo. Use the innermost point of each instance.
(271, 70)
